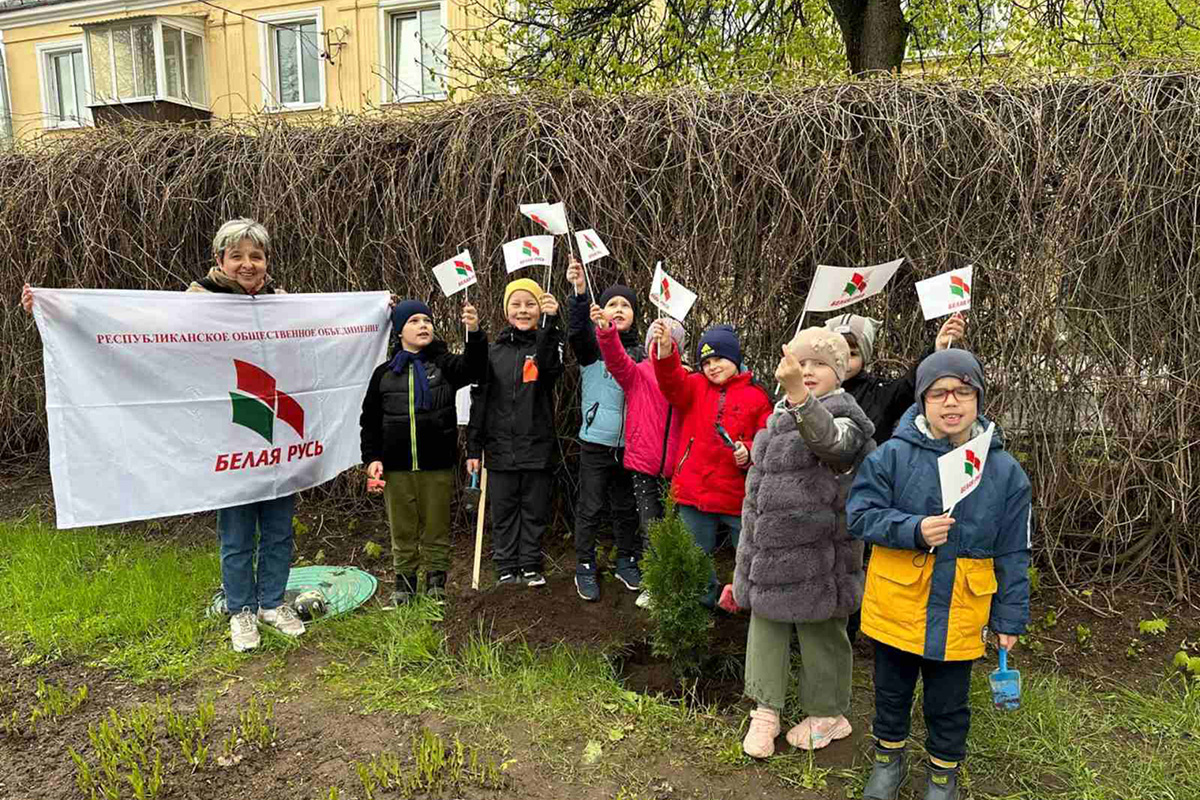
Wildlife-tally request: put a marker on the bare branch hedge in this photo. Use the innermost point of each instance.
(1076, 200)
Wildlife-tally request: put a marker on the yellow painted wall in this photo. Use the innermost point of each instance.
(233, 54)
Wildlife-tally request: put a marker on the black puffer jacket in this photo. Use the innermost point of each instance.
(512, 409)
(884, 400)
(407, 439)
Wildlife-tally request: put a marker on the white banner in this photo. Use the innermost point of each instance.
(591, 247)
(163, 403)
(837, 287)
(551, 216)
(531, 251)
(456, 274)
(961, 469)
(669, 295)
(947, 293)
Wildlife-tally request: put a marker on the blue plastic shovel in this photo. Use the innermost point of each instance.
(1006, 685)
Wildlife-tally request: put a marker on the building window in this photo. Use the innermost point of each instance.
(64, 85)
(293, 54)
(161, 58)
(415, 39)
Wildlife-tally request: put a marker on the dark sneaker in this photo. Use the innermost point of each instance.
(627, 572)
(887, 775)
(507, 578)
(533, 578)
(941, 783)
(585, 582)
(406, 589)
(435, 585)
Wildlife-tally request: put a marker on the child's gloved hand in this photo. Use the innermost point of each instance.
(741, 454)
(727, 603)
(599, 318)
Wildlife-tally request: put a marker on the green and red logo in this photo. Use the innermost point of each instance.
(588, 241)
(463, 268)
(257, 402)
(959, 287)
(972, 464)
(857, 284)
(666, 289)
(539, 221)
(528, 249)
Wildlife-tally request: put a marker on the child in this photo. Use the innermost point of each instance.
(721, 410)
(603, 480)
(796, 565)
(883, 400)
(930, 613)
(512, 427)
(409, 436)
(652, 428)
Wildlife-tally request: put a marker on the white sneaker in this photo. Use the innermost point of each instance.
(282, 619)
(643, 599)
(243, 630)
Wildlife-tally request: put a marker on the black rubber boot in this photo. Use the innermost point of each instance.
(435, 585)
(888, 774)
(940, 783)
(406, 589)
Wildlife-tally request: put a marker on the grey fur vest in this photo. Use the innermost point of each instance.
(795, 560)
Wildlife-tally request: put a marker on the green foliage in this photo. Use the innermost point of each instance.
(373, 550)
(1154, 627)
(436, 767)
(1083, 635)
(676, 572)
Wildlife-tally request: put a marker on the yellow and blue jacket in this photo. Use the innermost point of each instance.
(941, 605)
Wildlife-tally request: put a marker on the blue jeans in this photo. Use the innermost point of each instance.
(237, 526)
(703, 527)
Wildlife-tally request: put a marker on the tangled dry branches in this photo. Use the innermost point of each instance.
(1077, 201)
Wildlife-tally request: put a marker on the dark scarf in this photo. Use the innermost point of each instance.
(421, 395)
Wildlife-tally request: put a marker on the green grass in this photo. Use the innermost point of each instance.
(106, 598)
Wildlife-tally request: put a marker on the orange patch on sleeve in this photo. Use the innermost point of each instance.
(530, 372)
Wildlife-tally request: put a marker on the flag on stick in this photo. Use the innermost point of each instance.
(961, 469)
(669, 295)
(837, 287)
(591, 247)
(552, 217)
(456, 274)
(530, 251)
(947, 293)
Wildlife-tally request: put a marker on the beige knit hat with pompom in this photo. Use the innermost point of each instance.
(822, 344)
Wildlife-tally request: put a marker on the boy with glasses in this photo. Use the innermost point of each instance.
(929, 612)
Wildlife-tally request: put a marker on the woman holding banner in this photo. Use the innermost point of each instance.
(241, 249)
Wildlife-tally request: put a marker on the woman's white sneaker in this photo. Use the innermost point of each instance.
(282, 619)
(243, 630)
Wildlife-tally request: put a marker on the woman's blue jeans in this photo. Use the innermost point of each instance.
(271, 520)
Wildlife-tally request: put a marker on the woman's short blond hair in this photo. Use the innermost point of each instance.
(235, 230)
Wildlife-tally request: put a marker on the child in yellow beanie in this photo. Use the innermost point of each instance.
(512, 429)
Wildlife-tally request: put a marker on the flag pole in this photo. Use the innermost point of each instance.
(587, 278)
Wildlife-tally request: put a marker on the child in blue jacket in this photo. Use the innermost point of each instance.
(929, 613)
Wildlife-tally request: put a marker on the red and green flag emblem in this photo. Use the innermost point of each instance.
(257, 402)
(972, 464)
(462, 268)
(528, 249)
(540, 221)
(959, 287)
(666, 289)
(588, 240)
(857, 284)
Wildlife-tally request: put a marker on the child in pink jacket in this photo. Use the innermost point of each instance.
(652, 427)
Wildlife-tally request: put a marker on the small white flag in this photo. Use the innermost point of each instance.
(962, 468)
(947, 293)
(456, 274)
(552, 217)
(530, 251)
(462, 405)
(669, 295)
(590, 246)
(837, 287)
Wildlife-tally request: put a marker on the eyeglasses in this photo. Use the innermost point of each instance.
(961, 393)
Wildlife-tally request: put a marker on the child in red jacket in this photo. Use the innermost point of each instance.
(721, 409)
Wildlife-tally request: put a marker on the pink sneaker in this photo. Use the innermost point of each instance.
(760, 739)
(817, 732)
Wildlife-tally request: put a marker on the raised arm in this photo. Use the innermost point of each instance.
(616, 360)
(835, 442)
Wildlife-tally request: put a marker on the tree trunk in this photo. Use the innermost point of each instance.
(875, 33)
